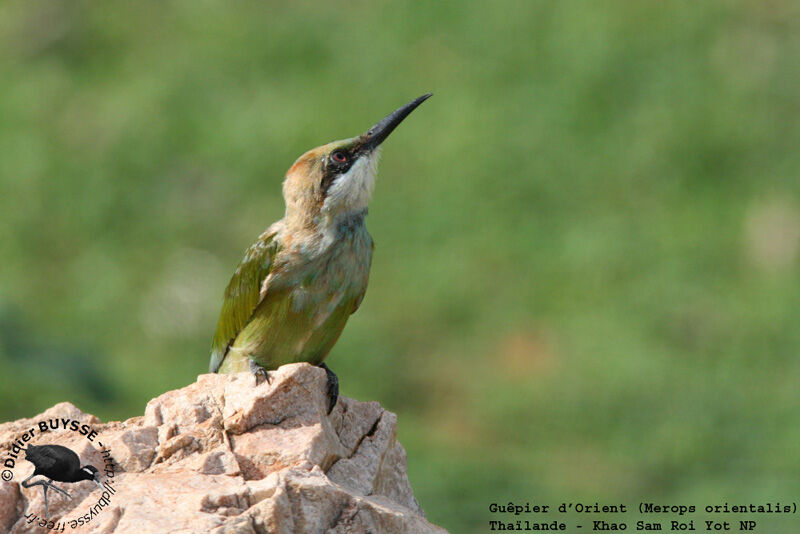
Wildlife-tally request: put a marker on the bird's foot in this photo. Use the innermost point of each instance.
(45, 484)
(333, 387)
(260, 372)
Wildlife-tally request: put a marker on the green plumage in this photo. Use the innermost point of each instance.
(301, 311)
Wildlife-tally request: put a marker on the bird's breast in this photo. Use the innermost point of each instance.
(307, 300)
(341, 272)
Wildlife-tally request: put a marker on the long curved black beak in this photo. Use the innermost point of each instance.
(376, 135)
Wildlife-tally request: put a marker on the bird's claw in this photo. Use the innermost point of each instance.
(333, 387)
(262, 375)
(260, 372)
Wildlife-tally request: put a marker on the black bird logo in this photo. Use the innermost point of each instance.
(56, 462)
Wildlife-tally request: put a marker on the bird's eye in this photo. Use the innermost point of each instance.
(339, 157)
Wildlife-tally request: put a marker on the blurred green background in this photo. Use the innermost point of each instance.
(585, 283)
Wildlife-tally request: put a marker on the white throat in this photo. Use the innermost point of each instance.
(351, 192)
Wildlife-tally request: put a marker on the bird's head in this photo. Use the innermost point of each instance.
(335, 181)
(90, 472)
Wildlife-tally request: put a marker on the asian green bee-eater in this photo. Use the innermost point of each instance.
(297, 285)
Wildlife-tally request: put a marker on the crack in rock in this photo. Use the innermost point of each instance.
(226, 456)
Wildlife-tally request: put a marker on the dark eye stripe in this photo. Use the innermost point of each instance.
(335, 167)
(337, 163)
(327, 182)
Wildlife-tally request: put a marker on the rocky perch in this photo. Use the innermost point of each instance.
(222, 455)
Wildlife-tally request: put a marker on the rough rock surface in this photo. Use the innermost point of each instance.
(227, 455)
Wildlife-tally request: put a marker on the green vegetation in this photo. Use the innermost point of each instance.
(585, 284)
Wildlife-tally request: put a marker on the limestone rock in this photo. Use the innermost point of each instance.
(225, 455)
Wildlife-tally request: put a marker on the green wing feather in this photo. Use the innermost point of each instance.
(243, 295)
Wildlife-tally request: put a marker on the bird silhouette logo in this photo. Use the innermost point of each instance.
(60, 464)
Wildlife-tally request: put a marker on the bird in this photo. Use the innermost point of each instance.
(56, 462)
(297, 285)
